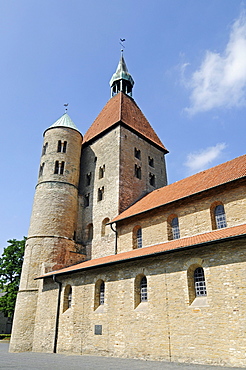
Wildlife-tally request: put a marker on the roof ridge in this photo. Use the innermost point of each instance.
(202, 181)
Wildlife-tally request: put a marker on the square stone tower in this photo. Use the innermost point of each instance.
(122, 160)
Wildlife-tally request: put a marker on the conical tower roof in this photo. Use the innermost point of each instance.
(122, 109)
(64, 121)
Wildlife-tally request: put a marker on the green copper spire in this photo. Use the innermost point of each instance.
(64, 121)
(121, 79)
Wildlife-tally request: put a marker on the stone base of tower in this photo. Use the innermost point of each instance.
(24, 321)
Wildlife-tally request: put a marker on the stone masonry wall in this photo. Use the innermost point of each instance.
(193, 214)
(131, 187)
(167, 327)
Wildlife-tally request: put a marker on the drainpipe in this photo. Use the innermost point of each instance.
(57, 312)
(116, 236)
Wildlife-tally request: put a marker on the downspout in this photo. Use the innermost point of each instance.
(57, 312)
(116, 237)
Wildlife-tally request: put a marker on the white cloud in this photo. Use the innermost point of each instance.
(203, 159)
(221, 79)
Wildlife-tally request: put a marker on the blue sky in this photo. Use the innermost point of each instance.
(188, 60)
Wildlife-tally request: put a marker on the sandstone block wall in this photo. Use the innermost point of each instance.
(194, 217)
(168, 326)
(131, 187)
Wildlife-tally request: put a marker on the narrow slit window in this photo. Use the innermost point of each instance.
(101, 171)
(88, 179)
(59, 146)
(41, 169)
(100, 194)
(44, 148)
(138, 173)
(64, 147)
(137, 153)
(151, 161)
(152, 179)
(86, 200)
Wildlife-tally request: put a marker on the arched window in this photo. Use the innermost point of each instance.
(99, 294)
(143, 290)
(220, 217)
(105, 227)
(175, 228)
(89, 232)
(102, 293)
(67, 298)
(139, 238)
(199, 282)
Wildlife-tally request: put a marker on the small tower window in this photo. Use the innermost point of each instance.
(199, 281)
(152, 179)
(59, 168)
(86, 200)
(138, 174)
(88, 179)
(62, 146)
(151, 161)
(175, 228)
(89, 232)
(220, 217)
(100, 194)
(44, 148)
(143, 290)
(105, 227)
(101, 171)
(67, 303)
(137, 153)
(41, 170)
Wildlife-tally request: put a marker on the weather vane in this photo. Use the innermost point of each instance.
(66, 105)
(121, 43)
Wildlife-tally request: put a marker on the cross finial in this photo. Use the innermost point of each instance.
(66, 105)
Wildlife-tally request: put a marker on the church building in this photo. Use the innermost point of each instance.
(119, 263)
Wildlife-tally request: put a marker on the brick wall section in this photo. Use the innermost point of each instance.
(168, 327)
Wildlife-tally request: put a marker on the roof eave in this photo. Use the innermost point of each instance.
(134, 258)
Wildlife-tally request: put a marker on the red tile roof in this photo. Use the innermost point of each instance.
(122, 108)
(197, 183)
(196, 240)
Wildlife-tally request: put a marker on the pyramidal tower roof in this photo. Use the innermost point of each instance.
(64, 121)
(122, 109)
